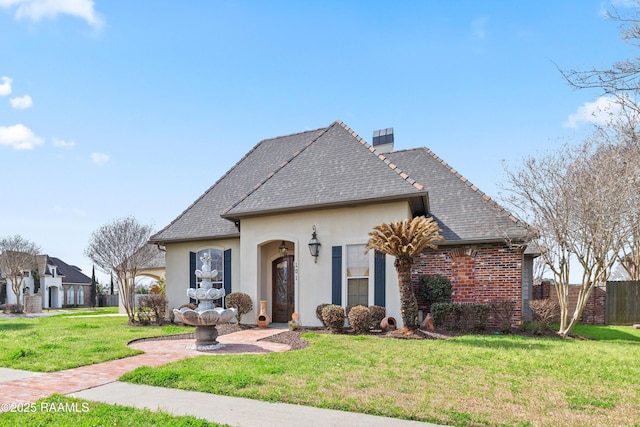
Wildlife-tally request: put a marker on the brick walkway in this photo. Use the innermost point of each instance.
(157, 352)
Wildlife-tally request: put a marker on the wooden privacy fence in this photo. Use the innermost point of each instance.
(623, 303)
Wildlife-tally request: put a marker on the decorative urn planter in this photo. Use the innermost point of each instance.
(388, 324)
(263, 318)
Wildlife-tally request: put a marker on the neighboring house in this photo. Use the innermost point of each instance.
(59, 284)
(155, 267)
(258, 221)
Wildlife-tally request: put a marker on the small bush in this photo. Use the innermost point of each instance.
(333, 316)
(319, 313)
(377, 314)
(293, 325)
(435, 289)
(503, 310)
(12, 308)
(544, 311)
(241, 302)
(360, 319)
(152, 306)
(460, 316)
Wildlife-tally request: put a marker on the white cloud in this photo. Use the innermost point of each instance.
(21, 103)
(78, 212)
(19, 137)
(479, 26)
(35, 10)
(99, 158)
(597, 112)
(57, 142)
(5, 85)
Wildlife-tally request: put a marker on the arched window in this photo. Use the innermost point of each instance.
(80, 295)
(217, 263)
(71, 300)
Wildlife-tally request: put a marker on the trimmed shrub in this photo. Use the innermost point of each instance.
(12, 308)
(377, 314)
(319, 313)
(435, 289)
(152, 306)
(503, 310)
(544, 311)
(241, 302)
(333, 316)
(293, 325)
(463, 317)
(359, 319)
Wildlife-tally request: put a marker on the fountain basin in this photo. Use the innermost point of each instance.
(209, 317)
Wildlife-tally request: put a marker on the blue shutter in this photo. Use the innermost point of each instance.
(193, 283)
(379, 271)
(336, 275)
(227, 272)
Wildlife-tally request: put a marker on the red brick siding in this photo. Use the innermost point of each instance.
(594, 309)
(478, 274)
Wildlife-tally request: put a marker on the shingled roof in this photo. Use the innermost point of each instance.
(71, 273)
(335, 169)
(464, 213)
(332, 167)
(202, 219)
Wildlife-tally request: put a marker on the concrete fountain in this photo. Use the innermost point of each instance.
(206, 316)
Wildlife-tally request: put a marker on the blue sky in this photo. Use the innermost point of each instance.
(117, 108)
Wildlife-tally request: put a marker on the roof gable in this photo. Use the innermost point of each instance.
(337, 168)
(72, 274)
(202, 219)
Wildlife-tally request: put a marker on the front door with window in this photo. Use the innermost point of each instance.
(282, 273)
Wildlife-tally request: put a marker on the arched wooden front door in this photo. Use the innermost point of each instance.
(282, 284)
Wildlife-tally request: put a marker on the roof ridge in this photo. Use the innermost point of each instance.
(255, 147)
(321, 132)
(382, 157)
(473, 187)
(293, 134)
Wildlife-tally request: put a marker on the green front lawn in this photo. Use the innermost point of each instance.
(468, 381)
(67, 341)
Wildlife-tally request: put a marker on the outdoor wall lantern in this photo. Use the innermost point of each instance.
(283, 249)
(314, 245)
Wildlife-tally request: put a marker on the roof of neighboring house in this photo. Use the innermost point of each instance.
(71, 273)
(333, 166)
(158, 260)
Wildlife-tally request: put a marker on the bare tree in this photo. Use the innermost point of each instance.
(121, 248)
(577, 199)
(622, 79)
(17, 255)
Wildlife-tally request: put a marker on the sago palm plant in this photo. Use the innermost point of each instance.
(403, 240)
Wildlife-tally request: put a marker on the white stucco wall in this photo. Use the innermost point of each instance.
(257, 247)
(177, 267)
(335, 227)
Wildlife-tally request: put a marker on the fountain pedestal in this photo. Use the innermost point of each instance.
(206, 337)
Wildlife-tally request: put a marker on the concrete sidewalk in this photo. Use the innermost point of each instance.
(234, 411)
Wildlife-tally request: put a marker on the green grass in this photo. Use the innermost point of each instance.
(59, 410)
(466, 381)
(66, 341)
(89, 311)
